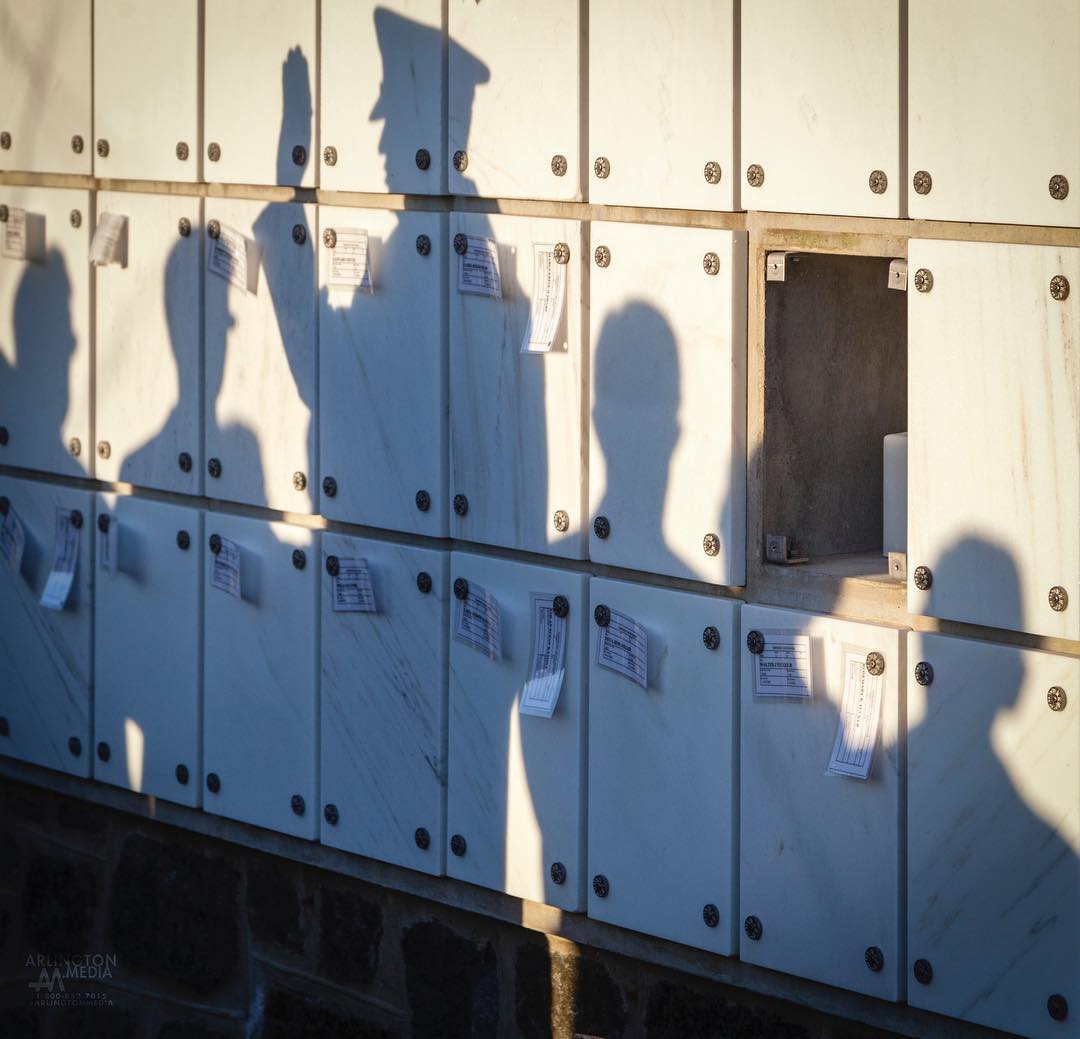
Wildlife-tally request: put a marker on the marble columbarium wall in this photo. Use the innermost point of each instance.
(454, 434)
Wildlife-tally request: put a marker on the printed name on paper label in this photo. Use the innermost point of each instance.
(350, 270)
(108, 545)
(15, 235)
(109, 244)
(478, 621)
(12, 540)
(478, 269)
(860, 713)
(541, 693)
(623, 647)
(65, 557)
(549, 293)
(225, 569)
(353, 591)
(782, 669)
(235, 258)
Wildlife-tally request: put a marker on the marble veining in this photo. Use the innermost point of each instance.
(383, 727)
(45, 654)
(662, 770)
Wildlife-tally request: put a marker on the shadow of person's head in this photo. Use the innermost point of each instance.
(404, 46)
(294, 142)
(44, 336)
(636, 384)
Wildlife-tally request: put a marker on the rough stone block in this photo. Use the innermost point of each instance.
(350, 931)
(273, 904)
(452, 984)
(294, 1015)
(59, 900)
(175, 914)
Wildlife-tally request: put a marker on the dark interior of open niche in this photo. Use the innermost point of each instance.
(835, 385)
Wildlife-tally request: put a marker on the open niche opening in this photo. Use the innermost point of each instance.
(835, 387)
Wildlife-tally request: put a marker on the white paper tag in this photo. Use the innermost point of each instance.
(352, 589)
(623, 647)
(15, 235)
(225, 570)
(549, 292)
(12, 540)
(478, 621)
(478, 269)
(857, 726)
(235, 258)
(65, 556)
(108, 545)
(782, 668)
(541, 692)
(109, 244)
(349, 265)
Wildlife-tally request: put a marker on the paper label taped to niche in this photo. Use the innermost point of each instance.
(353, 591)
(623, 647)
(857, 727)
(541, 692)
(109, 244)
(478, 621)
(15, 235)
(235, 258)
(225, 569)
(549, 293)
(349, 267)
(478, 269)
(65, 557)
(12, 540)
(782, 669)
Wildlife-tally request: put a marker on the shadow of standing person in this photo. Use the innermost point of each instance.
(993, 819)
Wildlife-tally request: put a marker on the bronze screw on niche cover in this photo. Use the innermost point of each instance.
(461, 161)
(755, 175)
(423, 159)
(712, 172)
(922, 182)
(561, 520)
(296, 803)
(423, 244)
(924, 280)
(711, 915)
(559, 165)
(75, 446)
(329, 238)
(601, 167)
(878, 182)
(329, 155)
